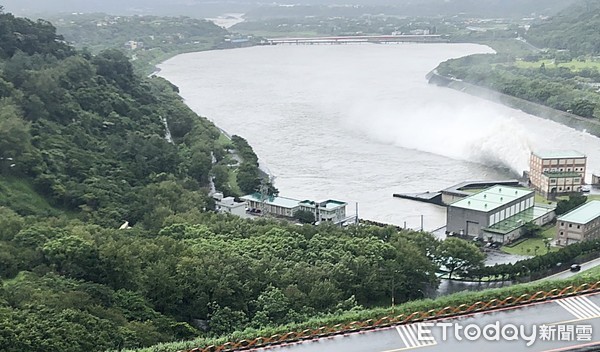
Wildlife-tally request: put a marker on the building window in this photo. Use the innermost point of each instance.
(562, 233)
(570, 225)
(553, 180)
(562, 224)
(578, 226)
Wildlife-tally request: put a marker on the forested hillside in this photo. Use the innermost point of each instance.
(151, 39)
(574, 29)
(83, 149)
(565, 75)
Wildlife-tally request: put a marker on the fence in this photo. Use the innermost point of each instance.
(311, 334)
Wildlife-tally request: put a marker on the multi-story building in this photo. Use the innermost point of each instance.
(497, 214)
(326, 210)
(580, 224)
(554, 173)
(274, 205)
(229, 205)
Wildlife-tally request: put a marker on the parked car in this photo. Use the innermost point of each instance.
(575, 267)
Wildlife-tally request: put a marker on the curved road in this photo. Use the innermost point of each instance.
(551, 326)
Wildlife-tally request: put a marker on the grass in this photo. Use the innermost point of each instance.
(549, 232)
(573, 65)
(541, 200)
(512, 46)
(233, 185)
(528, 246)
(18, 194)
(594, 272)
(593, 197)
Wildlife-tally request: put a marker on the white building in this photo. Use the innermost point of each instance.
(230, 206)
(325, 210)
(274, 205)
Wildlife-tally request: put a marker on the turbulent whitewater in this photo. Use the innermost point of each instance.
(360, 122)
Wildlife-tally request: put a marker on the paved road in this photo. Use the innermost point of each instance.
(571, 322)
(568, 273)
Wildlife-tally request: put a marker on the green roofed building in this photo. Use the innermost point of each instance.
(580, 224)
(326, 210)
(496, 213)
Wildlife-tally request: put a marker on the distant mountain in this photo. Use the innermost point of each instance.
(574, 29)
(206, 8)
(192, 8)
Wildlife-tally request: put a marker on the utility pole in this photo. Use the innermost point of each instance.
(264, 193)
(421, 222)
(393, 289)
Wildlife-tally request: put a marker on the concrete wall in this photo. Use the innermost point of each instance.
(449, 198)
(457, 218)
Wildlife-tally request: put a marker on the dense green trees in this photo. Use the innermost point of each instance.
(235, 273)
(560, 88)
(572, 29)
(89, 135)
(565, 205)
(456, 255)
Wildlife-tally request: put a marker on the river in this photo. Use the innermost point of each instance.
(360, 122)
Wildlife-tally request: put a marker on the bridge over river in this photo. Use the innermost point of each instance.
(430, 38)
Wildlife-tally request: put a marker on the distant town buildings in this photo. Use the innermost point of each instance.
(554, 173)
(580, 224)
(496, 214)
(326, 210)
(133, 45)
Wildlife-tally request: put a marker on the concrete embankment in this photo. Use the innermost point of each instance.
(591, 126)
(427, 197)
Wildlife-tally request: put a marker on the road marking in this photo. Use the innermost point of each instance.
(409, 334)
(580, 307)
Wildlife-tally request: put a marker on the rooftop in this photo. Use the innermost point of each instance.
(555, 154)
(583, 214)
(273, 200)
(492, 198)
(328, 204)
(514, 222)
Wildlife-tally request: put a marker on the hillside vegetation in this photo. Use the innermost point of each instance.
(83, 149)
(152, 38)
(565, 76)
(574, 29)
